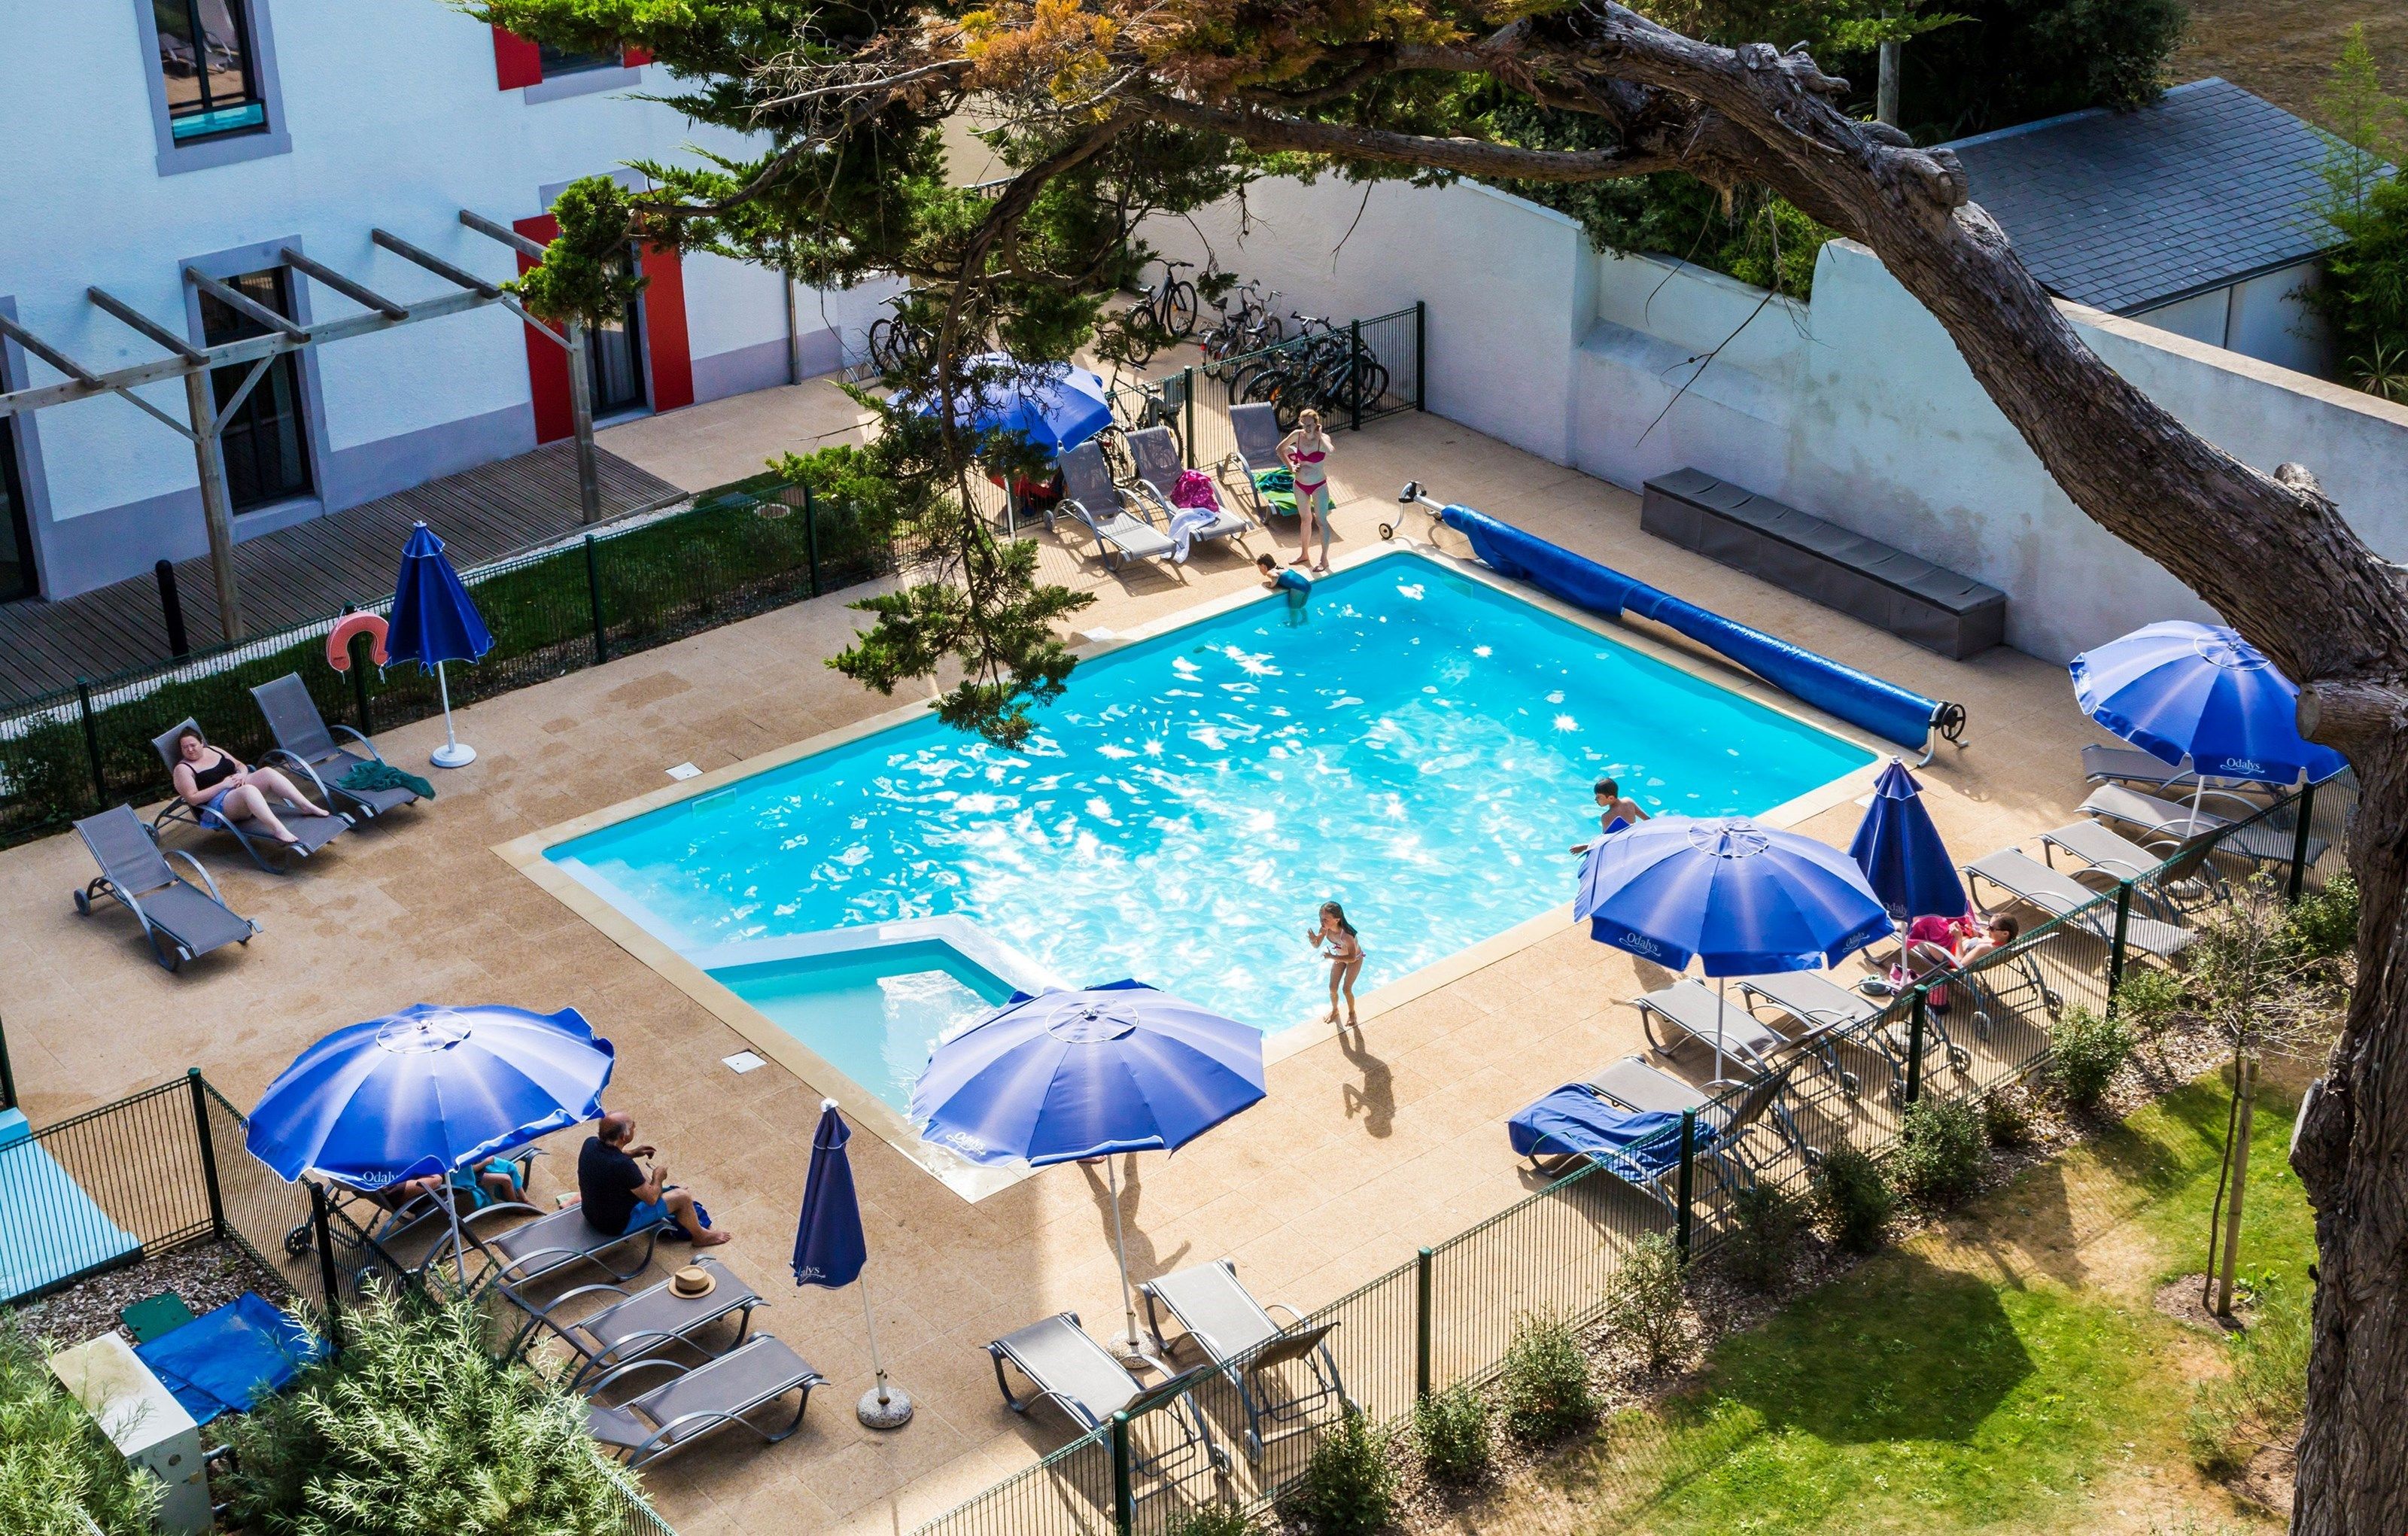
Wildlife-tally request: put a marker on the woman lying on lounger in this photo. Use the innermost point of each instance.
(1941, 943)
(213, 779)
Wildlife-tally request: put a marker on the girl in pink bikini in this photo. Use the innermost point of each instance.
(1306, 451)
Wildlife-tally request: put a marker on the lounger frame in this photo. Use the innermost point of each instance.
(1271, 1416)
(657, 1445)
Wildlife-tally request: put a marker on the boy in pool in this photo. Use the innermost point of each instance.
(1296, 584)
(1613, 807)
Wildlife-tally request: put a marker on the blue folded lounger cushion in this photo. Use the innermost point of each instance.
(1574, 1120)
(225, 1361)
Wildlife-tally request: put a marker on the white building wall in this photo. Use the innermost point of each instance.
(1857, 406)
(395, 119)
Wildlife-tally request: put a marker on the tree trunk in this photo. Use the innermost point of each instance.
(2245, 1112)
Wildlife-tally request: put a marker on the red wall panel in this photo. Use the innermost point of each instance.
(665, 333)
(516, 61)
(547, 361)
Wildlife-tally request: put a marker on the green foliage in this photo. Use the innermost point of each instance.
(2086, 1052)
(2018, 61)
(2149, 998)
(1543, 1385)
(56, 1467)
(2364, 295)
(586, 274)
(1454, 1436)
(1214, 1520)
(2005, 1120)
(1649, 1302)
(2324, 924)
(1853, 1197)
(2260, 1404)
(415, 1430)
(1941, 1150)
(1763, 1242)
(1349, 1485)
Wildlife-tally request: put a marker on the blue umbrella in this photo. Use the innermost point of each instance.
(2177, 689)
(1738, 897)
(427, 1090)
(1064, 1076)
(1052, 405)
(1900, 852)
(830, 1250)
(434, 621)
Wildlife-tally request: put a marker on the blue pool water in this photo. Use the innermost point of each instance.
(1416, 744)
(871, 1012)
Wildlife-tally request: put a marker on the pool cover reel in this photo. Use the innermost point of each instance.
(1885, 709)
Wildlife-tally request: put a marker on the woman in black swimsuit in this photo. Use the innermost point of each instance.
(213, 779)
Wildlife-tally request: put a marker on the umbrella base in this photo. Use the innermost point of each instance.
(452, 755)
(894, 1413)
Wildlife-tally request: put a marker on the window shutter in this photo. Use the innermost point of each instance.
(666, 344)
(546, 362)
(516, 61)
(635, 58)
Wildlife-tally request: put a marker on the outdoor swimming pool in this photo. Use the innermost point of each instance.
(1420, 746)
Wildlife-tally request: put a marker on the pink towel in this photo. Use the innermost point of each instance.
(1195, 489)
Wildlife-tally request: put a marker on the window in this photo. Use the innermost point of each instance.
(266, 444)
(16, 536)
(205, 57)
(614, 358)
(559, 60)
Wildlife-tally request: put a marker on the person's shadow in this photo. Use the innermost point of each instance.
(1143, 1262)
(1376, 1100)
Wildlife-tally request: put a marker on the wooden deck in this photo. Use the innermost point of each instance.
(311, 570)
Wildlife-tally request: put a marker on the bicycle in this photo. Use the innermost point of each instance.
(1163, 316)
(1322, 369)
(899, 346)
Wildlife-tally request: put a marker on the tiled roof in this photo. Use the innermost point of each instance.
(2125, 211)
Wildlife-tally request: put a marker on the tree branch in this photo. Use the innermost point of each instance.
(1470, 157)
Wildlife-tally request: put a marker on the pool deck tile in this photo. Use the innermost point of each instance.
(1369, 1146)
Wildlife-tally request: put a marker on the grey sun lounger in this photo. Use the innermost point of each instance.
(183, 921)
(2096, 845)
(314, 829)
(1158, 468)
(1828, 1011)
(1256, 429)
(700, 1399)
(1688, 1007)
(1066, 1367)
(305, 743)
(1242, 1338)
(557, 1238)
(638, 1323)
(1639, 1085)
(2057, 893)
(2131, 765)
(1089, 495)
(2260, 842)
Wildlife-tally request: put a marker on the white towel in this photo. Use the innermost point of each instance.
(1185, 523)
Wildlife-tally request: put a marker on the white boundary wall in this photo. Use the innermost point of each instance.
(1856, 407)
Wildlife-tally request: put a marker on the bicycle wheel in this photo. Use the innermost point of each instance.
(1372, 384)
(1286, 394)
(1142, 336)
(1178, 310)
(882, 345)
(1114, 444)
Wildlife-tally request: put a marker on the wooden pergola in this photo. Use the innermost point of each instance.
(204, 420)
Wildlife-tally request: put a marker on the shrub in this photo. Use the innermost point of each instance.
(1763, 1242)
(1854, 1198)
(1941, 1150)
(56, 1468)
(2005, 1120)
(2262, 1402)
(1214, 1520)
(2086, 1052)
(2324, 924)
(1348, 1487)
(1650, 1299)
(2149, 998)
(1454, 1436)
(414, 1430)
(1544, 1388)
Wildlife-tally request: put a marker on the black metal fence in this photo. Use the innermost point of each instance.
(742, 551)
(1448, 1316)
(1352, 373)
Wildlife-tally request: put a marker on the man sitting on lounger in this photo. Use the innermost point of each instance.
(621, 1196)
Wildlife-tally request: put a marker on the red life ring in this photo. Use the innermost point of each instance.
(339, 640)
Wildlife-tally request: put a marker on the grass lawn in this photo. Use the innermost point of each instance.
(2284, 50)
(2009, 1374)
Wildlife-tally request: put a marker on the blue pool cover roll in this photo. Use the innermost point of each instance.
(1885, 709)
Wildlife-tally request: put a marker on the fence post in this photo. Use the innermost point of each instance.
(209, 1150)
(1124, 1484)
(1421, 354)
(327, 1262)
(1914, 1046)
(2300, 842)
(171, 607)
(811, 534)
(1424, 1263)
(1187, 403)
(594, 601)
(1688, 1178)
(92, 745)
(7, 1075)
(1354, 374)
(2115, 955)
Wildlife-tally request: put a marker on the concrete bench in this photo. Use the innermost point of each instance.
(1861, 576)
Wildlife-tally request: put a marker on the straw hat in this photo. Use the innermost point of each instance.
(693, 1283)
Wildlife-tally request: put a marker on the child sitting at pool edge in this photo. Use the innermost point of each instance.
(1296, 584)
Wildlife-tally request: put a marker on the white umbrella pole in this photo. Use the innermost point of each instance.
(1720, 983)
(869, 1316)
(1120, 1241)
(451, 755)
(459, 1259)
(882, 1407)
